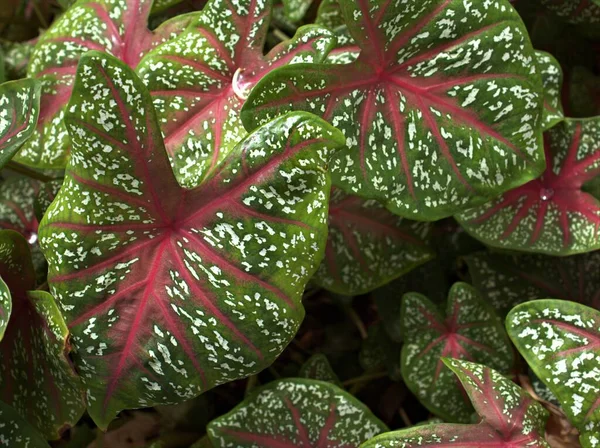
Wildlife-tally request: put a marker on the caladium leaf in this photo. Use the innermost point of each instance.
(167, 291)
(317, 367)
(19, 110)
(470, 330)
(346, 51)
(36, 377)
(509, 416)
(578, 12)
(118, 27)
(15, 432)
(508, 280)
(329, 14)
(379, 352)
(552, 79)
(584, 93)
(200, 79)
(436, 116)
(5, 307)
(552, 214)
(295, 10)
(17, 195)
(368, 246)
(16, 57)
(560, 341)
(296, 413)
(45, 196)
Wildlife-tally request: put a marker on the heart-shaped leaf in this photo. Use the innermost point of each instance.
(19, 110)
(436, 116)
(200, 79)
(560, 341)
(508, 280)
(317, 367)
(168, 291)
(470, 330)
(296, 413)
(368, 246)
(552, 79)
(509, 416)
(36, 377)
(552, 214)
(16, 432)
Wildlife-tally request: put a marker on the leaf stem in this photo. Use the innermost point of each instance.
(365, 378)
(355, 318)
(26, 171)
(280, 35)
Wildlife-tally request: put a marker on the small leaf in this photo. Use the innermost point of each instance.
(509, 416)
(508, 280)
(296, 413)
(552, 214)
(16, 432)
(470, 330)
(552, 79)
(435, 120)
(317, 367)
(329, 14)
(560, 341)
(379, 352)
(578, 12)
(168, 291)
(16, 58)
(295, 10)
(368, 246)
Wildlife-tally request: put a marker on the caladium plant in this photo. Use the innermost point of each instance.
(469, 330)
(199, 286)
(296, 413)
(561, 342)
(16, 432)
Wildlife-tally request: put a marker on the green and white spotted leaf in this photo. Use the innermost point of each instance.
(296, 413)
(509, 416)
(552, 80)
(5, 307)
(19, 110)
(508, 280)
(317, 367)
(346, 51)
(368, 246)
(553, 215)
(329, 14)
(199, 80)
(578, 12)
(470, 330)
(295, 10)
(169, 291)
(439, 113)
(45, 196)
(560, 341)
(16, 58)
(15, 432)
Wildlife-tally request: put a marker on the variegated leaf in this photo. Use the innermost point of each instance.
(167, 291)
(552, 214)
(560, 341)
(16, 57)
(36, 377)
(509, 416)
(317, 367)
(552, 79)
(200, 80)
(295, 10)
(329, 14)
(346, 51)
(470, 330)
(296, 413)
(368, 246)
(508, 280)
(15, 432)
(45, 196)
(19, 110)
(442, 108)
(579, 12)
(5, 307)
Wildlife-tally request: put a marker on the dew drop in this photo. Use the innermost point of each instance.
(241, 86)
(546, 194)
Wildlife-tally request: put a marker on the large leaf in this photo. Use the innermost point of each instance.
(19, 110)
(200, 79)
(507, 280)
(36, 376)
(552, 214)
(560, 341)
(167, 291)
(368, 246)
(296, 413)
(438, 112)
(16, 432)
(509, 416)
(115, 26)
(470, 330)
(552, 79)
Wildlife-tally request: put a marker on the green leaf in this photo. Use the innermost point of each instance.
(168, 291)
(296, 413)
(44, 198)
(368, 246)
(379, 352)
(578, 12)
(36, 377)
(552, 80)
(16, 58)
(19, 110)
(553, 214)
(509, 416)
(346, 51)
(317, 367)
(200, 80)
(16, 432)
(470, 330)
(5, 307)
(329, 14)
(295, 10)
(436, 116)
(508, 280)
(560, 341)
